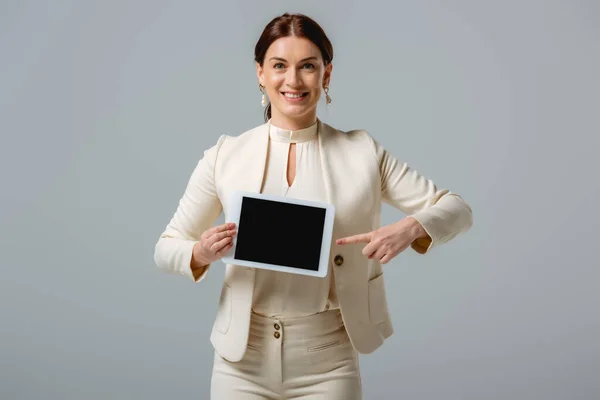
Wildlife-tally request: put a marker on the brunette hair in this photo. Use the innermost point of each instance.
(297, 25)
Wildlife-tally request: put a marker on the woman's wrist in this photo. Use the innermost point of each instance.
(197, 261)
(417, 229)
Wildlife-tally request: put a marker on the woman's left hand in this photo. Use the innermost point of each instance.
(388, 241)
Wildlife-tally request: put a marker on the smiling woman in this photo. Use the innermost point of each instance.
(280, 335)
(293, 63)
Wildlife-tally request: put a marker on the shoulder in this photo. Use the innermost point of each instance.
(357, 138)
(230, 145)
(352, 135)
(240, 138)
(247, 134)
(226, 140)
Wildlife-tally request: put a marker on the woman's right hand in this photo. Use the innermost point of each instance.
(213, 244)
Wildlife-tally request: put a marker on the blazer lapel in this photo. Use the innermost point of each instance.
(325, 136)
(260, 142)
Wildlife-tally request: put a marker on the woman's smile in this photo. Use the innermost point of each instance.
(294, 97)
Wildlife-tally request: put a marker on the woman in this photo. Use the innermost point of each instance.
(279, 335)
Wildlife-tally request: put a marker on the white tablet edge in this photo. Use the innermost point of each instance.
(235, 206)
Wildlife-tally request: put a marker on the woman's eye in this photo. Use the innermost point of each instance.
(309, 66)
(278, 65)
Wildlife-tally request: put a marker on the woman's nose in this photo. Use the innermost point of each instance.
(292, 78)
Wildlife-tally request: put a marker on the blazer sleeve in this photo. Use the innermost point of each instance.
(197, 211)
(442, 214)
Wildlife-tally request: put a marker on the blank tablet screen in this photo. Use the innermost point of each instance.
(278, 233)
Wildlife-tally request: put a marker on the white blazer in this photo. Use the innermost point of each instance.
(359, 175)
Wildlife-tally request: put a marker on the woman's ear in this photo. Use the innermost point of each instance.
(327, 74)
(260, 74)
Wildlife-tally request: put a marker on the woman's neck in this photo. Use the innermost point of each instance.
(293, 124)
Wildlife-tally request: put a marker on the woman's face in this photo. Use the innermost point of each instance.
(293, 74)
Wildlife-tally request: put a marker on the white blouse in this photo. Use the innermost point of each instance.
(279, 294)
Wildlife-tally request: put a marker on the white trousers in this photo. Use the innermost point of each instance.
(296, 358)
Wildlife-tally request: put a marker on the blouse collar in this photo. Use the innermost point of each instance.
(289, 136)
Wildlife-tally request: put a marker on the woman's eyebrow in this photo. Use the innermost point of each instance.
(283, 59)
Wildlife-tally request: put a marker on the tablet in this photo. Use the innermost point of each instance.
(280, 233)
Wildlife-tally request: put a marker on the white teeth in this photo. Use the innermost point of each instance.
(292, 95)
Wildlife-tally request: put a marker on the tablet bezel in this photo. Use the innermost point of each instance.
(234, 209)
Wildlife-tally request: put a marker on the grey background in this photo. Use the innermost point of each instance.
(106, 107)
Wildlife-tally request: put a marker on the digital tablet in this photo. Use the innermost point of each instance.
(280, 233)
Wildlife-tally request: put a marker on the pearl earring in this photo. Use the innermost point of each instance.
(327, 97)
(263, 100)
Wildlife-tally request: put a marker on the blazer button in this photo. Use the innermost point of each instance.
(338, 260)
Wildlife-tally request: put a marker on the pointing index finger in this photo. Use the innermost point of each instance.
(361, 238)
